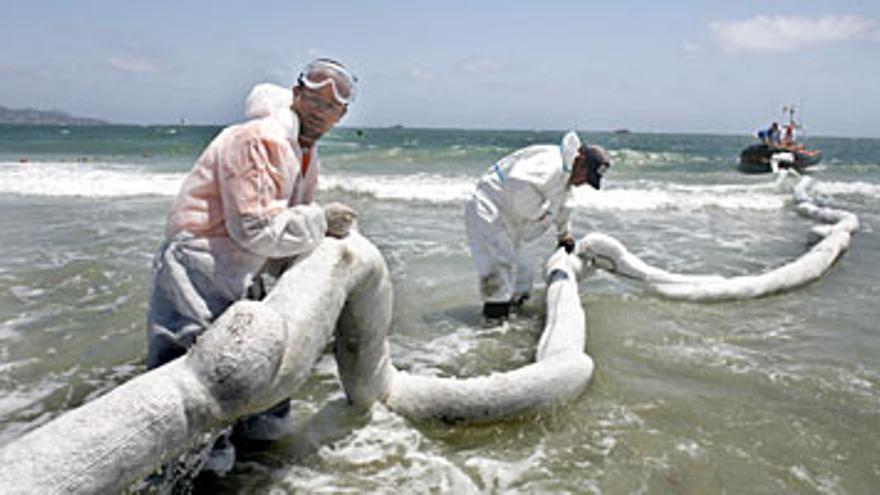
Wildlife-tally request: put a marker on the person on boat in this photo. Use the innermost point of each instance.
(248, 200)
(772, 136)
(788, 136)
(789, 139)
(516, 201)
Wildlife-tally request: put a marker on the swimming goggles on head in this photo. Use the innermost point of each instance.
(324, 71)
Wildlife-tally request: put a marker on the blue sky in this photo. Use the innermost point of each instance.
(725, 67)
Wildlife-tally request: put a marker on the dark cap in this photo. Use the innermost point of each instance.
(597, 161)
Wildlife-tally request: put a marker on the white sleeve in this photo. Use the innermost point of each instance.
(563, 221)
(296, 230)
(253, 217)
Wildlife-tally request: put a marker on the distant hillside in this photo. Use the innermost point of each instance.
(31, 116)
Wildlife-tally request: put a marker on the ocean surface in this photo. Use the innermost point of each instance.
(779, 394)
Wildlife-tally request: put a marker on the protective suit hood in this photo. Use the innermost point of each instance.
(266, 98)
(271, 100)
(570, 147)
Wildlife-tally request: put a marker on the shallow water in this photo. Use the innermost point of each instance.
(775, 395)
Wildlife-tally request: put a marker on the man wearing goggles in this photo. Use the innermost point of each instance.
(246, 208)
(323, 91)
(516, 201)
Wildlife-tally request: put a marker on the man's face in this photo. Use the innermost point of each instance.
(317, 110)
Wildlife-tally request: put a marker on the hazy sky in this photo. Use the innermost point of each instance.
(644, 65)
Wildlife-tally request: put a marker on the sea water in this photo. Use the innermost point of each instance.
(779, 394)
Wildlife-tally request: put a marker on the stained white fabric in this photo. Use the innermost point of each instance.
(247, 199)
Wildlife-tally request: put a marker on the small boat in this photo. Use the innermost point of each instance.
(758, 158)
(767, 157)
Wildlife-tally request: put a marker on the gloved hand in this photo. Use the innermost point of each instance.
(567, 242)
(339, 219)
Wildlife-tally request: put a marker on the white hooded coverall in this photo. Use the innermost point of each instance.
(247, 199)
(516, 201)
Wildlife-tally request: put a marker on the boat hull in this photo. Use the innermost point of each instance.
(756, 159)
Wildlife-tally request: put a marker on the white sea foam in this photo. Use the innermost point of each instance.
(23, 397)
(418, 187)
(108, 180)
(665, 196)
(503, 475)
(618, 196)
(89, 180)
(848, 188)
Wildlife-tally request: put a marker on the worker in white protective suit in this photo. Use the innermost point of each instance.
(247, 203)
(516, 201)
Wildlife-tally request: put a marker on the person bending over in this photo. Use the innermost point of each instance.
(516, 201)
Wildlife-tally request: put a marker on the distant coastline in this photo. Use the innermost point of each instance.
(41, 117)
